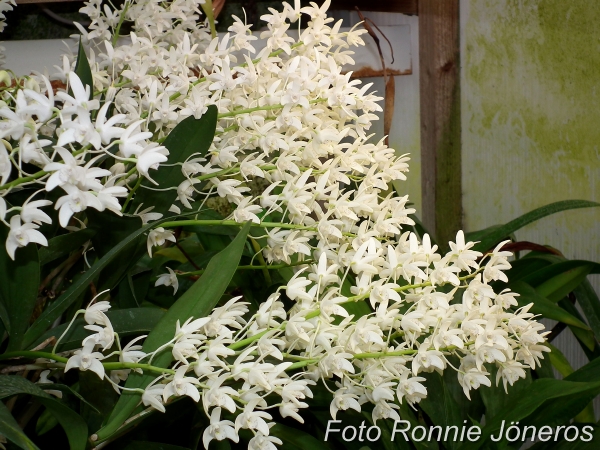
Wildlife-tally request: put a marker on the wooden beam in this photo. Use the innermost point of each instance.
(25, 2)
(409, 7)
(440, 117)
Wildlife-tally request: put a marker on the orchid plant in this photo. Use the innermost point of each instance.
(116, 167)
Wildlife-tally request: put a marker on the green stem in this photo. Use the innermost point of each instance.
(304, 363)
(265, 267)
(121, 20)
(33, 355)
(208, 10)
(130, 196)
(383, 354)
(245, 342)
(308, 362)
(107, 365)
(262, 108)
(208, 176)
(261, 259)
(233, 223)
(404, 352)
(144, 367)
(23, 180)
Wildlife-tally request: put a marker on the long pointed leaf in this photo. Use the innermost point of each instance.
(533, 397)
(11, 430)
(19, 281)
(198, 301)
(65, 243)
(590, 304)
(73, 424)
(295, 439)
(543, 306)
(561, 285)
(498, 233)
(82, 68)
(586, 337)
(190, 137)
(559, 361)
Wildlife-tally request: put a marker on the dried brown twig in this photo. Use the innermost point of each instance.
(390, 84)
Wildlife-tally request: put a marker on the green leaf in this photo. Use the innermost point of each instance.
(294, 438)
(497, 233)
(579, 406)
(561, 285)
(531, 399)
(4, 317)
(12, 385)
(585, 337)
(544, 370)
(588, 373)
(592, 437)
(584, 293)
(73, 424)
(560, 267)
(559, 361)
(126, 322)
(110, 230)
(64, 244)
(19, 281)
(190, 137)
(65, 390)
(479, 235)
(543, 306)
(523, 267)
(590, 304)
(495, 398)
(100, 398)
(442, 409)
(560, 411)
(83, 70)
(60, 305)
(11, 430)
(148, 445)
(387, 428)
(400, 443)
(46, 422)
(198, 301)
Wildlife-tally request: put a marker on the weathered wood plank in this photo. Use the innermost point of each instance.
(440, 117)
(24, 2)
(409, 7)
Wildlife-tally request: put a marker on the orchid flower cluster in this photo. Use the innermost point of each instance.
(289, 117)
(248, 364)
(5, 5)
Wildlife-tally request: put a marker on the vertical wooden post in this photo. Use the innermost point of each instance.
(440, 117)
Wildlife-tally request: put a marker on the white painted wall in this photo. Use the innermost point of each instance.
(405, 134)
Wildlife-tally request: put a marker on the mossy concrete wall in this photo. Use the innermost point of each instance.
(531, 116)
(530, 89)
